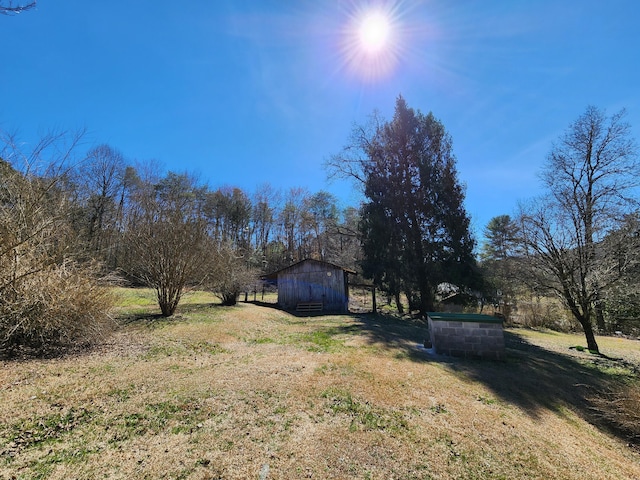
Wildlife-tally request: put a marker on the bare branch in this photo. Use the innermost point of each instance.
(10, 9)
(591, 176)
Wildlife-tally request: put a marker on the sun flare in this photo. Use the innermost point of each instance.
(374, 32)
(372, 42)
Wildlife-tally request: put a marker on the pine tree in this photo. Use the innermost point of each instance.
(497, 256)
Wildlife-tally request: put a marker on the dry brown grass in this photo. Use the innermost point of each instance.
(620, 408)
(251, 392)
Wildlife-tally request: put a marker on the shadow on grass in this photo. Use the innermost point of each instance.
(151, 316)
(295, 313)
(141, 318)
(530, 377)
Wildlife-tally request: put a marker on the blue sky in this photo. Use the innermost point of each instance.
(248, 92)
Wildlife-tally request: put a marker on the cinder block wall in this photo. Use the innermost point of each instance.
(467, 335)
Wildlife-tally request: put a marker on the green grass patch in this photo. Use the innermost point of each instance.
(198, 297)
(135, 297)
(123, 394)
(28, 433)
(176, 416)
(321, 341)
(144, 297)
(364, 416)
(486, 400)
(326, 340)
(438, 408)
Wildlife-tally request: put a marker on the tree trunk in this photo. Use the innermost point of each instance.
(592, 345)
(229, 299)
(373, 297)
(600, 323)
(582, 314)
(399, 303)
(426, 299)
(168, 299)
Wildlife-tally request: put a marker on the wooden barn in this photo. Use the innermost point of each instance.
(312, 286)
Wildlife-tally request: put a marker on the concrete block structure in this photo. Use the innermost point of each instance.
(467, 335)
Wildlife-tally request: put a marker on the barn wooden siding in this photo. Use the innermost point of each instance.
(313, 281)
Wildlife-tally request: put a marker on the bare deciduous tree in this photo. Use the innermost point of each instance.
(354, 159)
(100, 183)
(167, 239)
(167, 256)
(589, 175)
(265, 202)
(290, 224)
(320, 216)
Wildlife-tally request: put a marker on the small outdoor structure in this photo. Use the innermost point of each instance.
(467, 335)
(312, 286)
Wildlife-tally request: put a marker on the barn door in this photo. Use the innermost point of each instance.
(315, 287)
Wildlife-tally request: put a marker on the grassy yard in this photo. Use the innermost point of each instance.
(250, 392)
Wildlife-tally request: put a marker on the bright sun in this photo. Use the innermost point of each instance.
(372, 41)
(374, 32)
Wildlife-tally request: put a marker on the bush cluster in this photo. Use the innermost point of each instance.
(56, 308)
(51, 297)
(620, 408)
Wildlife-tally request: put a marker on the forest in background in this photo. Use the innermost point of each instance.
(75, 221)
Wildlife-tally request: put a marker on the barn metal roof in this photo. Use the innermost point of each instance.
(274, 275)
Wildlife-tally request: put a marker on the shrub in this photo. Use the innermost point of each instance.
(47, 301)
(543, 312)
(230, 274)
(619, 407)
(55, 308)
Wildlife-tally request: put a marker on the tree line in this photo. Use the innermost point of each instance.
(72, 220)
(92, 216)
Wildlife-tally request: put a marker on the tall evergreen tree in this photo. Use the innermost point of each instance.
(414, 225)
(497, 256)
